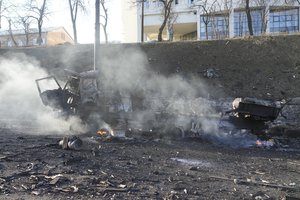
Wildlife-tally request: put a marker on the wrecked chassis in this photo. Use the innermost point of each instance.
(82, 95)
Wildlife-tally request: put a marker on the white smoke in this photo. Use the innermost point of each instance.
(127, 69)
(20, 104)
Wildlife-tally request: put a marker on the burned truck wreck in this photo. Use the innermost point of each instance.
(84, 96)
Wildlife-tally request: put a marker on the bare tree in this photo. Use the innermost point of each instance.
(6, 10)
(25, 22)
(249, 18)
(11, 32)
(38, 12)
(104, 16)
(264, 5)
(4, 7)
(207, 7)
(74, 6)
(166, 13)
(226, 7)
(170, 24)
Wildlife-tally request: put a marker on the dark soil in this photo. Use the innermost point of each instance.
(35, 167)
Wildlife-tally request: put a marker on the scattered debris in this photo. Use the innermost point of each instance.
(54, 181)
(191, 162)
(253, 182)
(111, 189)
(73, 142)
(265, 143)
(37, 193)
(256, 109)
(210, 73)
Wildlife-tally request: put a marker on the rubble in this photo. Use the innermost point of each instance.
(72, 142)
(210, 73)
(266, 144)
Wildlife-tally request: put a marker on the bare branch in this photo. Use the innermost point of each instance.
(105, 18)
(75, 6)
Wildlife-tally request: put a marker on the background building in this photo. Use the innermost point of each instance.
(50, 36)
(212, 20)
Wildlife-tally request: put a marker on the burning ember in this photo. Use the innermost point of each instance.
(265, 143)
(111, 133)
(103, 132)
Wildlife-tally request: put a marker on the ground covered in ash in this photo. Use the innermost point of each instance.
(36, 167)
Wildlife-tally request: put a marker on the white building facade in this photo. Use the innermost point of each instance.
(214, 20)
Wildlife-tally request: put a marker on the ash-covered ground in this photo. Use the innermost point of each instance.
(36, 167)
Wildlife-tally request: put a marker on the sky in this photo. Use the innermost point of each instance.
(86, 21)
(60, 16)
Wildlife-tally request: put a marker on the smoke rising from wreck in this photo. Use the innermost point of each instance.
(128, 71)
(20, 105)
(185, 98)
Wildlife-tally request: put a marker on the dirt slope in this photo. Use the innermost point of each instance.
(264, 67)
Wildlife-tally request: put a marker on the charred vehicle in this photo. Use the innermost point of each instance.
(82, 96)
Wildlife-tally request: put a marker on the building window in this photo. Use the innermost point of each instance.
(176, 2)
(147, 4)
(284, 21)
(241, 23)
(216, 27)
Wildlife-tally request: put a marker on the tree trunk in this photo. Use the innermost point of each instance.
(11, 34)
(40, 39)
(249, 19)
(161, 29)
(27, 39)
(166, 11)
(73, 19)
(105, 17)
(75, 32)
(206, 31)
(105, 35)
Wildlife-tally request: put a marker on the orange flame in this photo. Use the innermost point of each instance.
(103, 131)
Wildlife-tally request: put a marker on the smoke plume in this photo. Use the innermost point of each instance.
(20, 104)
(182, 100)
